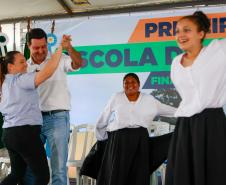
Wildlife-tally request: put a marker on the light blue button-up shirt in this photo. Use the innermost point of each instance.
(19, 101)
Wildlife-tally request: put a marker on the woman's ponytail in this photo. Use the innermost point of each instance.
(3, 70)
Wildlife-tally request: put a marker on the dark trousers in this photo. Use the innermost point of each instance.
(25, 149)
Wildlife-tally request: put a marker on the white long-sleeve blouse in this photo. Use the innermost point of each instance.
(202, 85)
(121, 113)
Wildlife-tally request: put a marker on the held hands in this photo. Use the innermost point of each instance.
(74, 55)
(66, 42)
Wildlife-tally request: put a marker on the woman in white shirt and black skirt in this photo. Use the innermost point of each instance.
(197, 154)
(124, 123)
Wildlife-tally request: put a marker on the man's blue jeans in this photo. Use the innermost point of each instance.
(56, 131)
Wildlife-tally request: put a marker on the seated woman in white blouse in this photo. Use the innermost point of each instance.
(124, 123)
(198, 149)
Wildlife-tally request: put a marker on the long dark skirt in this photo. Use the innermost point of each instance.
(197, 153)
(126, 158)
(158, 152)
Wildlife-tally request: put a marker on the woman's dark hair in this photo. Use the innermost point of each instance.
(132, 75)
(35, 33)
(201, 20)
(4, 61)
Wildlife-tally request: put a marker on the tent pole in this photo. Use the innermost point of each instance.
(14, 36)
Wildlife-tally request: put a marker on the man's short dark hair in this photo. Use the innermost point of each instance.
(35, 33)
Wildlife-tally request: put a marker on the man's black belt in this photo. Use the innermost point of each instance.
(51, 112)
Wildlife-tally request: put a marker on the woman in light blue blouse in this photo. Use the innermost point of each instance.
(22, 117)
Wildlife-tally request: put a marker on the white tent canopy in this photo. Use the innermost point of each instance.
(19, 10)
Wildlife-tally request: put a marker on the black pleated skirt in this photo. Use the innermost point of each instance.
(197, 153)
(126, 158)
(99, 159)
